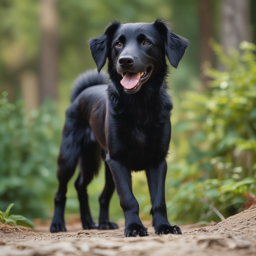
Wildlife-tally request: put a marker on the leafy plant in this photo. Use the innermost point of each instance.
(15, 220)
(221, 150)
(28, 155)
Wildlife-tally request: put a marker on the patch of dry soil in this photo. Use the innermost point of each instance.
(234, 236)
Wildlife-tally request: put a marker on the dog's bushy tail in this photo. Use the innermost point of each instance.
(85, 80)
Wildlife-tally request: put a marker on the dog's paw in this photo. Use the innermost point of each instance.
(108, 225)
(90, 225)
(135, 230)
(57, 226)
(168, 229)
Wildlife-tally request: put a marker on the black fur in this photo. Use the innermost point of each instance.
(127, 126)
(86, 80)
(175, 45)
(100, 46)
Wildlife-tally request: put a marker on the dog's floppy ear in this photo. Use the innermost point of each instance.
(175, 45)
(100, 46)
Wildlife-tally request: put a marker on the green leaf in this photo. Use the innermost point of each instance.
(1, 217)
(15, 220)
(10, 221)
(235, 185)
(6, 214)
(22, 221)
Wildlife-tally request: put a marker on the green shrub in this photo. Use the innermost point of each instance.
(29, 145)
(221, 151)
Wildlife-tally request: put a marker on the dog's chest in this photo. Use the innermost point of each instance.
(140, 141)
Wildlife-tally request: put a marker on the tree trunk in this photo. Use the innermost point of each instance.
(205, 33)
(48, 50)
(235, 22)
(29, 88)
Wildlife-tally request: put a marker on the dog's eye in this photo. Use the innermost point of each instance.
(119, 44)
(146, 42)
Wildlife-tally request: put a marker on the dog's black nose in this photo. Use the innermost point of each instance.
(126, 61)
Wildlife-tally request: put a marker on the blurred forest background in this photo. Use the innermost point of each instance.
(211, 165)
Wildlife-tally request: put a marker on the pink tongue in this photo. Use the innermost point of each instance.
(130, 80)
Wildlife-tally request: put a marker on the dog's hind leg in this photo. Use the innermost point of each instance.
(89, 166)
(104, 201)
(72, 138)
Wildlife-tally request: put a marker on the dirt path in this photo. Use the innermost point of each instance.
(234, 236)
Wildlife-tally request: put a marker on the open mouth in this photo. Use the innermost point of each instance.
(133, 81)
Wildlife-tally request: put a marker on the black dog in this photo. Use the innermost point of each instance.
(126, 122)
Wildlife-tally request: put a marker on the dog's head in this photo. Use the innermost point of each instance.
(137, 51)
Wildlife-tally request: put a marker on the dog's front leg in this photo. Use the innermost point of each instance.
(122, 178)
(156, 183)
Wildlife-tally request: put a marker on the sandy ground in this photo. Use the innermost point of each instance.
(234, 236)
